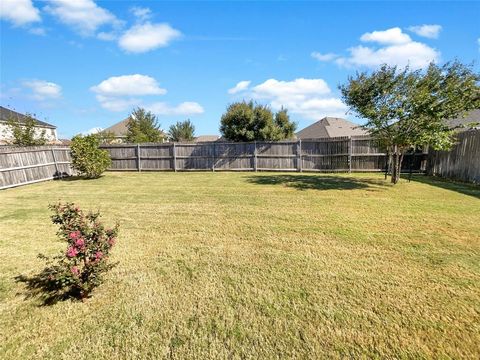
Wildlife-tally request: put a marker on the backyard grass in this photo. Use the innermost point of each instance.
(251, 266)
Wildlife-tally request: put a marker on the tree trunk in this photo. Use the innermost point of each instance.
(388, 162)
(397, 164)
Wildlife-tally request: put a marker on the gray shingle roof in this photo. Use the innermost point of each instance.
(206, 138)
(7, 114)
(119, 129)
(472, 117)
(330, 127)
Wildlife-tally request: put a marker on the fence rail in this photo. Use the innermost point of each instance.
(460, 163)
(27, 165)
(343, 154)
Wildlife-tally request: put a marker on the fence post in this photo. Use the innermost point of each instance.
(299, 155)
(213, 163)
(255, 156)
(174, 158)
(139, 168)
(57, 173)
(350, 155)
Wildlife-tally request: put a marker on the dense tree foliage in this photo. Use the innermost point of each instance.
(27, 133)
(182, 131)
(143, 127)
(87, 158)
(105, 137)
(407, 109)
(247, 121)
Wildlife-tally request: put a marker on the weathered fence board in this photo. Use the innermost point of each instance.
(328, 155)
(26, 165)
(460, 163)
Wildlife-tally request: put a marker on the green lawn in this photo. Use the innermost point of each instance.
(245, 265)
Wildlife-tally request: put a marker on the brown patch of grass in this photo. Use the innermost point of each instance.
(237, 265)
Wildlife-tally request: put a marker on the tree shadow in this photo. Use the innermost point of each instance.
(460, 187)
(315, 182)
(41, 286)
(77, 178)
(72, 178)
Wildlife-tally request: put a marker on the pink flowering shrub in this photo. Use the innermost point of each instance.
(79, 269)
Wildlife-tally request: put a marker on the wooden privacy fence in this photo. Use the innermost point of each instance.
(343, 154)
(460, 163)
(27, 165)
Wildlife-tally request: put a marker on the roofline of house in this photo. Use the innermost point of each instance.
(44, 125)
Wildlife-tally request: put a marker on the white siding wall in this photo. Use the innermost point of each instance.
(6, 134)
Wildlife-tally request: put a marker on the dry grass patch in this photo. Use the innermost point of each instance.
(244, 265)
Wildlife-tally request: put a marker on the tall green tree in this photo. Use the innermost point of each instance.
(247, 121)
(285, 126)
(407, 109)
(182, 131)
(143, 127)
(26, 133)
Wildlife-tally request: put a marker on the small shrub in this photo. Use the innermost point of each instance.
(79, 269)
(87, 158)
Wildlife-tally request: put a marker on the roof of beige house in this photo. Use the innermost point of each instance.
(119, 129)
(206, 138)
(330, 127)
(7, 114)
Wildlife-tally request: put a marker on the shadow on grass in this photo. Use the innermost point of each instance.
(71, 178)
(317, 182)
(77, 178)
(463, 188)
(41, 287)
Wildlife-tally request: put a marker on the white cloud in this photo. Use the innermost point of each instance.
(390, 36)
(107, 36)
(323, 57)
(132, 85)
(145, 37)
(315, 108)
(141, 13)
(184, 108)
(43, 90)
(308, 98)
(85, 16)
(398, 50)
(478, 41)
(298, 88)
(37, 31)
(428, 31)
(415, 54)
(241, 86)
(19, 12)
(117, 103)
(94, 130)
(120, 93)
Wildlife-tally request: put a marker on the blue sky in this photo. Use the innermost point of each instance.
(85, 64)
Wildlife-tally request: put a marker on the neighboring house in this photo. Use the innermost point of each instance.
(330, 127)
(206, 138)
(471, 121)
(118, 130)
(6, 135)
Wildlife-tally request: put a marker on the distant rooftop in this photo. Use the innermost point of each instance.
(119, 129)
(206, 138)
(473, 117)
(330, 127)
(7, 114)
